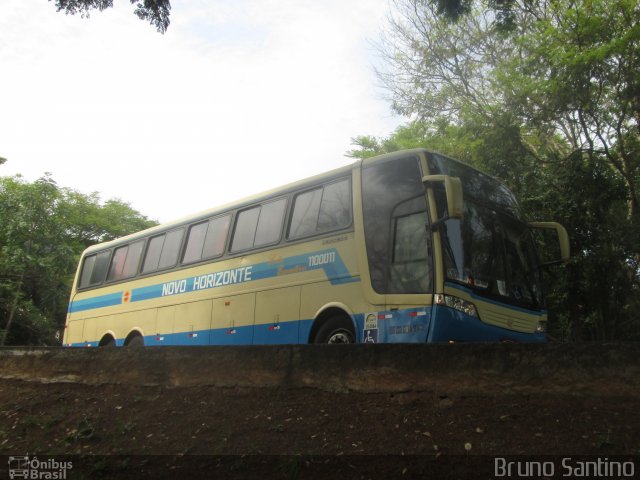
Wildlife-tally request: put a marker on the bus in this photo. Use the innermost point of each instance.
(411, 246)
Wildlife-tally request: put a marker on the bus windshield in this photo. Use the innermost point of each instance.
(490, 250)
(493, 254)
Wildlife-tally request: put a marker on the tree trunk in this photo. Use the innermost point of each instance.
(12, 312)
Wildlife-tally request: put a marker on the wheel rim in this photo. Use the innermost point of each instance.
(340, 336)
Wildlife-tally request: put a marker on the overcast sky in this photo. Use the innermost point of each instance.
(239, 96)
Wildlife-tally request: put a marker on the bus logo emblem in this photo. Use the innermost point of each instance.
(19, 467)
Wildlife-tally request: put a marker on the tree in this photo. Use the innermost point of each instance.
(155, 12)
(565, 71)
(435, 68)
(32, 251)
(90, 221)
(44, 230)
(412, 135)
(549, 106)
(591, 297)
(503, 10)
(576, 76)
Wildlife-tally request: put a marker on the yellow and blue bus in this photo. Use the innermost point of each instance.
(406, 247)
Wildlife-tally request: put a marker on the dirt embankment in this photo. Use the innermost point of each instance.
(396, 411)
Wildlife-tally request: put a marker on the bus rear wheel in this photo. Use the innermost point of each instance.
(136, 342)
(108, 341)
(336, 330)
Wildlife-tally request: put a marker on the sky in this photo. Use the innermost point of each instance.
(238, 97)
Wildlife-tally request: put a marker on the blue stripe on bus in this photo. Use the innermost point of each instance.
(328, 260)
(96, 302)
(146, 293)
(414, 325)
(399, 326)
(263, 334)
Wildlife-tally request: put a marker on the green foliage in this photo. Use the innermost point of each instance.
(576, 74)
(45, 228)
(564, 74)
(32, 253)
(91, 222)
(440, 69)
(567, 148)
(504, 11)
(412, 135)
(593, 297)
(590, 298)
(155, 12)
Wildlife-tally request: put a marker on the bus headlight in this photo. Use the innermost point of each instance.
(456, 303)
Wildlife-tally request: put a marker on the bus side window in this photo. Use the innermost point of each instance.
(216, 237)
(335, 209)
(124, 263)
(206, 239)
(321, 210)
(133, 259)
(195, 242)
(100, 268)
(410, 265)
(259, 225)
(87, 268)
(152, 257)
(395, 225)
(170, 249)
(304, 219)
(162, 251)
(270, 222)
(94, 269)
(245, 231)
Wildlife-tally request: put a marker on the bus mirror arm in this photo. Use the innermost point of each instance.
(435, 226)
(453, 192)
(563, 239)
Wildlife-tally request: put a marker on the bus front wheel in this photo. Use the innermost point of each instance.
(336, 330)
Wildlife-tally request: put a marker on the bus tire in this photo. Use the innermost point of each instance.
(136, 342)
(108, 341)
(337, 330)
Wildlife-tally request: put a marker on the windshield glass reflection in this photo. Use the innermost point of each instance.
(490, 249)
(493, 254)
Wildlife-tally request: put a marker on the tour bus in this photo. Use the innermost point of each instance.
(411, 246)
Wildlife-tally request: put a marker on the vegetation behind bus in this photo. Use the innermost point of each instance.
(542, 95)
(45, 228)
(540, 134)
(596, 295)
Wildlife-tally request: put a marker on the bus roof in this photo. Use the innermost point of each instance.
(280, 190)
(236, 204)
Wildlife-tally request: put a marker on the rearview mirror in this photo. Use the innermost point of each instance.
(453, 191)
(563, 239)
